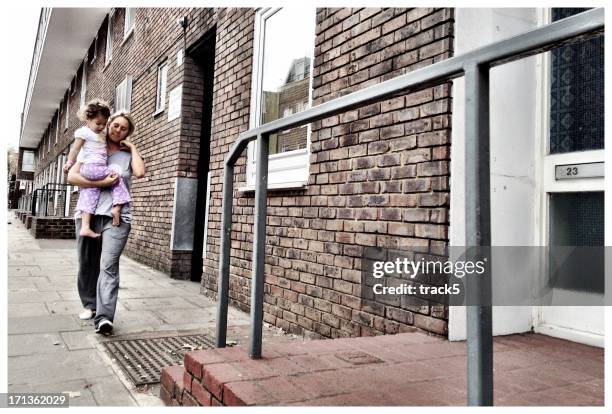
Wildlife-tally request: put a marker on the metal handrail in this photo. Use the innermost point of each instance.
(475, 66)
(46, 193)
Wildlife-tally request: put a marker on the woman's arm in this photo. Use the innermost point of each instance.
(75, 178)
(138, 167)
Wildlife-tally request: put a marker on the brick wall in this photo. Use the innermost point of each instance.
(378, 176)
(52, 228)
(168, 148)
(231, 106)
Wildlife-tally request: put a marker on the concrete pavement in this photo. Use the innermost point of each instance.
(51, 350)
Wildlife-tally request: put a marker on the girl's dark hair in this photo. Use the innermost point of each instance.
(94, 108)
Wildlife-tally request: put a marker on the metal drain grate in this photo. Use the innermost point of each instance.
(143, 359)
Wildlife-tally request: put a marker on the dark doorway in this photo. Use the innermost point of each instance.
(203, 54)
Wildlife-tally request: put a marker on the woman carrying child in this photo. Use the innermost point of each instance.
(98, 274)
(90, 146)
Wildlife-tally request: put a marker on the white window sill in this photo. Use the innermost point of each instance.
(294, 185)
(159, 111)
(126, 36)
(107, 64)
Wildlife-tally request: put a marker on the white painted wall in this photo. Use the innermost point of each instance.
(514, 192)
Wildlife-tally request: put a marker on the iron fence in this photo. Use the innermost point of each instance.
(53, 200)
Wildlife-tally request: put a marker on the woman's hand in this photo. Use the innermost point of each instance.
(137, 164)
(126, 145)
(75, 178)
(109, 180)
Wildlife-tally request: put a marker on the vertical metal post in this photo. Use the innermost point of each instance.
(46, 197)
(34, 196)
(224, 256)
(478, 233)
(259, 246)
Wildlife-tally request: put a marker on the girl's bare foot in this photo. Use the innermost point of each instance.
(89, 233)
(116, 212)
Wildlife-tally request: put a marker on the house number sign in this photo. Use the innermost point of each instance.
(587, 170)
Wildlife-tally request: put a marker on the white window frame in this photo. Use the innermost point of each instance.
(29, 166)
(95, 50)
(108, 53)
(67, 112)
(162, 87)
(57, 125)
(84, 83)
(123, 95)
(130, 16)
(287, 169)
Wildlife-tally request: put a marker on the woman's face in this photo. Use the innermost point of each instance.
(118, 129)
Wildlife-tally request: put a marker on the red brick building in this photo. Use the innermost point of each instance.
(196, 78)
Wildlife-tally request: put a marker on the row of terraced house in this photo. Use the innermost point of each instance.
(387, 174)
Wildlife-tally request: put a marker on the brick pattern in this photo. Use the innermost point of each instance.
(52, 228)
(379, 176)
(168, 148)
(25, 217)
(231, 108)
(404, 370)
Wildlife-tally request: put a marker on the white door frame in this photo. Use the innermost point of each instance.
(545, 170)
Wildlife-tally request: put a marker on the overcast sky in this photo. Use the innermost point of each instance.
(18, 27)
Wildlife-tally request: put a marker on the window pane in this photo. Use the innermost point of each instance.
(123, 95)
(577, 219)
(162, 75)
(109, 39)
(288, 45)
(84, 83)
(129, 20)
(577, 93)
(67, 112)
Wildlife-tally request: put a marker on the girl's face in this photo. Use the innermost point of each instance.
(97, 123)
(118, 129)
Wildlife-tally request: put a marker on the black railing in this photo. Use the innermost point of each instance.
(51, 200)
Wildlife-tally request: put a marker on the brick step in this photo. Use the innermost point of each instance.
(389, 370)
(287, 373)
(172, 385)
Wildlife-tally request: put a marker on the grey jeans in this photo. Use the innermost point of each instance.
(98, 278)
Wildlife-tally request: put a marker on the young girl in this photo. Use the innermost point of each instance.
(90, 140)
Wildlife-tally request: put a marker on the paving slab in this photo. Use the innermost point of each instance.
(29, 295)
(78, 339)
(15, 283)
(109, 391)
(45, 368)
(28, 344)
(159, 303)
(181, 316)
(20, 310)
(39, 324)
